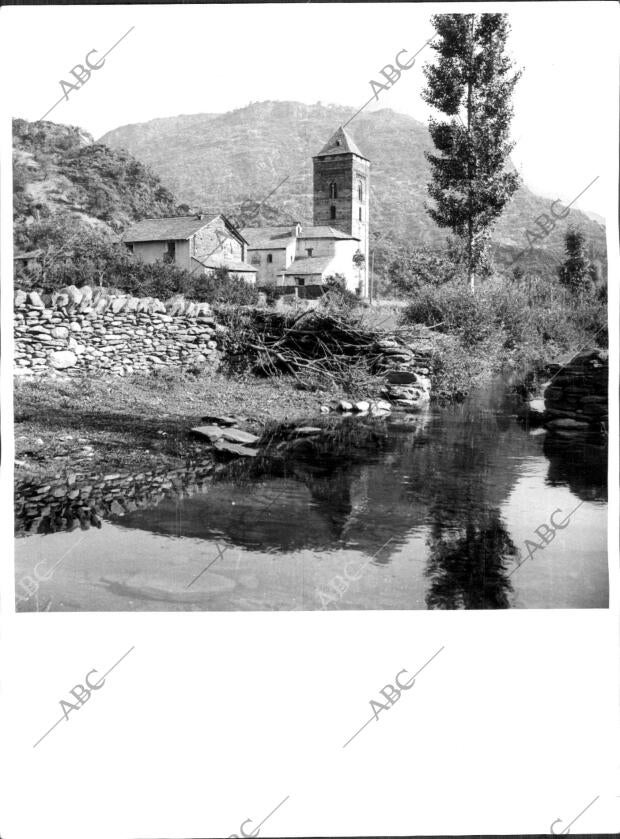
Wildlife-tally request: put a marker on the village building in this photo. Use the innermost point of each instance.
(337, 242)
(199, 244)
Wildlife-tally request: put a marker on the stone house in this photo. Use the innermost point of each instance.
(199, 244)
(301, 256)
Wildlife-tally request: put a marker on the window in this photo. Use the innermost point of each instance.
(129, 246)
(360, 213)
(309, 251)
(269, 257)
(333, 191)
(169, 252)
(332, 212)
(360, 191)
(300, 280)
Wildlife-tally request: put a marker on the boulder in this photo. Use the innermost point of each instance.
(20, 297)
(401, 377)
(118, 304)
(211, 432)
(381, 405)
(343, 405)
(73, 293)
(236, 435)
(234, 448)
(78, 349)
(35, 300)
(568, 424)
(362, 407)
(101, 305)
(62, 359)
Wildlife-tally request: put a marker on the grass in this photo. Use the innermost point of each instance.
(86, 424)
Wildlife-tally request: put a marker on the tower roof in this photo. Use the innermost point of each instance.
(340, 142)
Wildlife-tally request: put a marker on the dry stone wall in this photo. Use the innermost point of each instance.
(89, 329)
(576, 398)
(83, 500)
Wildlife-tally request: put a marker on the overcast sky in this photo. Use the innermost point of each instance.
(196, 59)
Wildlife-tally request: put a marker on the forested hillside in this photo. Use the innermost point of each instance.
(62, 179)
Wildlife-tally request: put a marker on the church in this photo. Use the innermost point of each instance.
(298, 255)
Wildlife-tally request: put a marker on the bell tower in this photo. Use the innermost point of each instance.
(342, 194)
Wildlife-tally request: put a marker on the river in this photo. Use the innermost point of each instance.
(437, 510)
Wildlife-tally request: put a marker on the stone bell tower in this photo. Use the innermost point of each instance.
(342, 194)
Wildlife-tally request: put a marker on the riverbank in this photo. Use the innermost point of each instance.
(68, 424)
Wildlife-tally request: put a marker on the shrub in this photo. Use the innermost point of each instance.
(529, 322)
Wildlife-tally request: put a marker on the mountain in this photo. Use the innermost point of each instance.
(223, 160)
(61, 176)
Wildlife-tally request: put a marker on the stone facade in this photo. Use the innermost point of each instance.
(342, 193)
(81, 329)
(198, 244)
(305, 255)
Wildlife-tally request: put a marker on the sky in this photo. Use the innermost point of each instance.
(214, 58)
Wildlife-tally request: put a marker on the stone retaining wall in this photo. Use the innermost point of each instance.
(576, 399)
(82, 500)
(85, 329)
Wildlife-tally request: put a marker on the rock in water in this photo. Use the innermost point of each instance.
(211, 432)
(568, 424)
(401, 377)
(235, 448)
(362, 407)
(216, 420)
(307, 430)
(343, 405)
(236, 435)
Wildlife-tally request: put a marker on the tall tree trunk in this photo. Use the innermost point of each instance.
(470, 230)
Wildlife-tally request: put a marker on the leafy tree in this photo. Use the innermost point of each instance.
(414, 269)
(472, 83)
(577, 272)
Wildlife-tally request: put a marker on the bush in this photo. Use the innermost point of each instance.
(529, 322)
(94, 258)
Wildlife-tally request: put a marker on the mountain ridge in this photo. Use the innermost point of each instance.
(243, 155)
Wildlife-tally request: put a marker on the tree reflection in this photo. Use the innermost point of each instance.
(468, 567)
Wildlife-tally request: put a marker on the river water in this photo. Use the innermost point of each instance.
(432, 511)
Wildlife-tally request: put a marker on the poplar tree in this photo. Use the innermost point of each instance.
(472, 84)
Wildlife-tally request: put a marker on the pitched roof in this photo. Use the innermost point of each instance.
(308, 265)
(340, 142)
(228, 263)
(324, 232)
(268, 238)
(158, 229)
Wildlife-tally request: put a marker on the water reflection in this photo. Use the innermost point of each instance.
(439, 486)
(469, 569)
